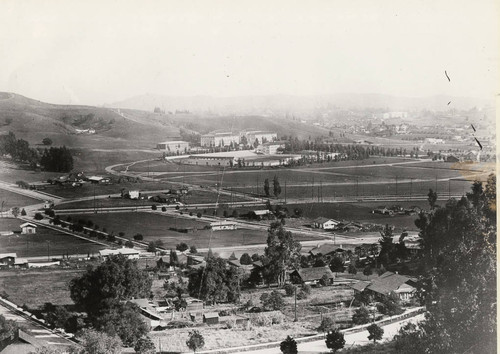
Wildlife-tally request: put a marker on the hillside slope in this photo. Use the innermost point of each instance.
(34, 120)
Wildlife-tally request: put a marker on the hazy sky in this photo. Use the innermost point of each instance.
(92, 52)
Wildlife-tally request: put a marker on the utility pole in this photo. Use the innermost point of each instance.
(312, 189)
(48, 250)
(411, 187)
(285, 191)
(396, 187)
(449, 188)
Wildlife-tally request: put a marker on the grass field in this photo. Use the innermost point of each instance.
(44, 242)
(156, 226)
(10, 199)
(36, 287)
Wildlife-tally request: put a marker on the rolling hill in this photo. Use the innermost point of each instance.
(33, 120)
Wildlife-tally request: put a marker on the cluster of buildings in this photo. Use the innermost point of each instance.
(175, 146)
(252, 137)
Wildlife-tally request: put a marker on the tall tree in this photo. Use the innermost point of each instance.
(276, 186)
(94, 342)
(459, 287)
(195, 340)
(432, 198)
(335, 340)
(114, 280)
(266, 187)
(282, 251)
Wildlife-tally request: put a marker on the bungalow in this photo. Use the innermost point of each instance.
(223, 225)
(389, 283)
(28, 228)
(325, 224)
(130, 253)
(99, 179)
(311, 275)
(149, 311)
(211, 318)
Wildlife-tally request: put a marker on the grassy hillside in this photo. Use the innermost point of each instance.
(34, 120)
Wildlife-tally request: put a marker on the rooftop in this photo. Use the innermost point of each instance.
(315, 273)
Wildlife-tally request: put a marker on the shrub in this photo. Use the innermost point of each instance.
(138, 237)
(289, 346)
(38, 216)
(289, 289)
(129, 244)
(198, 215)
(273, 301)
(163, 209)
(375, 332)
(361, 316)
(327, 324)
(335, 340)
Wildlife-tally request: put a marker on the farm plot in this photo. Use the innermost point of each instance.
(47, 243)
(10, 199)
(33, 288)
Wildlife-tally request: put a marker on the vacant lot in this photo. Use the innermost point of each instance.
(36, 287)
(45, 242)
(154, 226)
(10, 199)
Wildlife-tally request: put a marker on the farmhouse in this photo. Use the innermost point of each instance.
(176, 146)
(130, 253)
(326, 224)
(28, 228)
(134, 194)
(389, 283)
(311, 275)
(99, 179)
(10, 260)
(223, 225)
(260, 214)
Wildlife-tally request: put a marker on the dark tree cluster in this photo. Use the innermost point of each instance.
(18, 149)
(57, 159)
(459, 287)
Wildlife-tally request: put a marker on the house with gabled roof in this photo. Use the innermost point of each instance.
(311, 275)
(325, 223)
(389, 283)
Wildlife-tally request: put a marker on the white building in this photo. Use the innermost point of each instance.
(134, 194)
(209, 161)
(223, 225)
(175, 146)
(130, 253)
(325, 224)
(219, 139)
(269, 148)
(434, 141)
(261, 136)
(28, 228)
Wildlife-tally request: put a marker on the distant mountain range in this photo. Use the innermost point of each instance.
(295, 104)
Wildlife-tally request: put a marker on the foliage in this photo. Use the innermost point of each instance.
(47, 141)
(289, 346)
(38, 216)
(129, 244)
(282, 251)
(138, 237)
(18, 149)
(335, 340)
(273, 301)
(361, 316)
(215, 282)
(289, 289)
(145, 346)
(7, 327)
(154, 207)
(276, 187)
(375, 332)
(245, 259)
(57, 159)
(327, 324)
(367, 271)
(123, 320)
(266, 187)
(182, 247)
(459, 287)
(337, 264)
(114, 280)
(193, 250)
(352, 269)
(195, 340)
(432, 198)
(94, 342)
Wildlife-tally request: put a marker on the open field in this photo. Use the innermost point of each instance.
(156, 226)
(34, 287)
(10, 172)
(10, 199)
(42, 243)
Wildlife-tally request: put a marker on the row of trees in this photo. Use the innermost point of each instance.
(276, 187)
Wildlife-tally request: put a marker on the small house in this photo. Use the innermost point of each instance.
(134, 194)
(311, 275)
(7, 259)
(325, 224)
(211, 318)
(387, 284)
(28, 228)
(130, 253)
